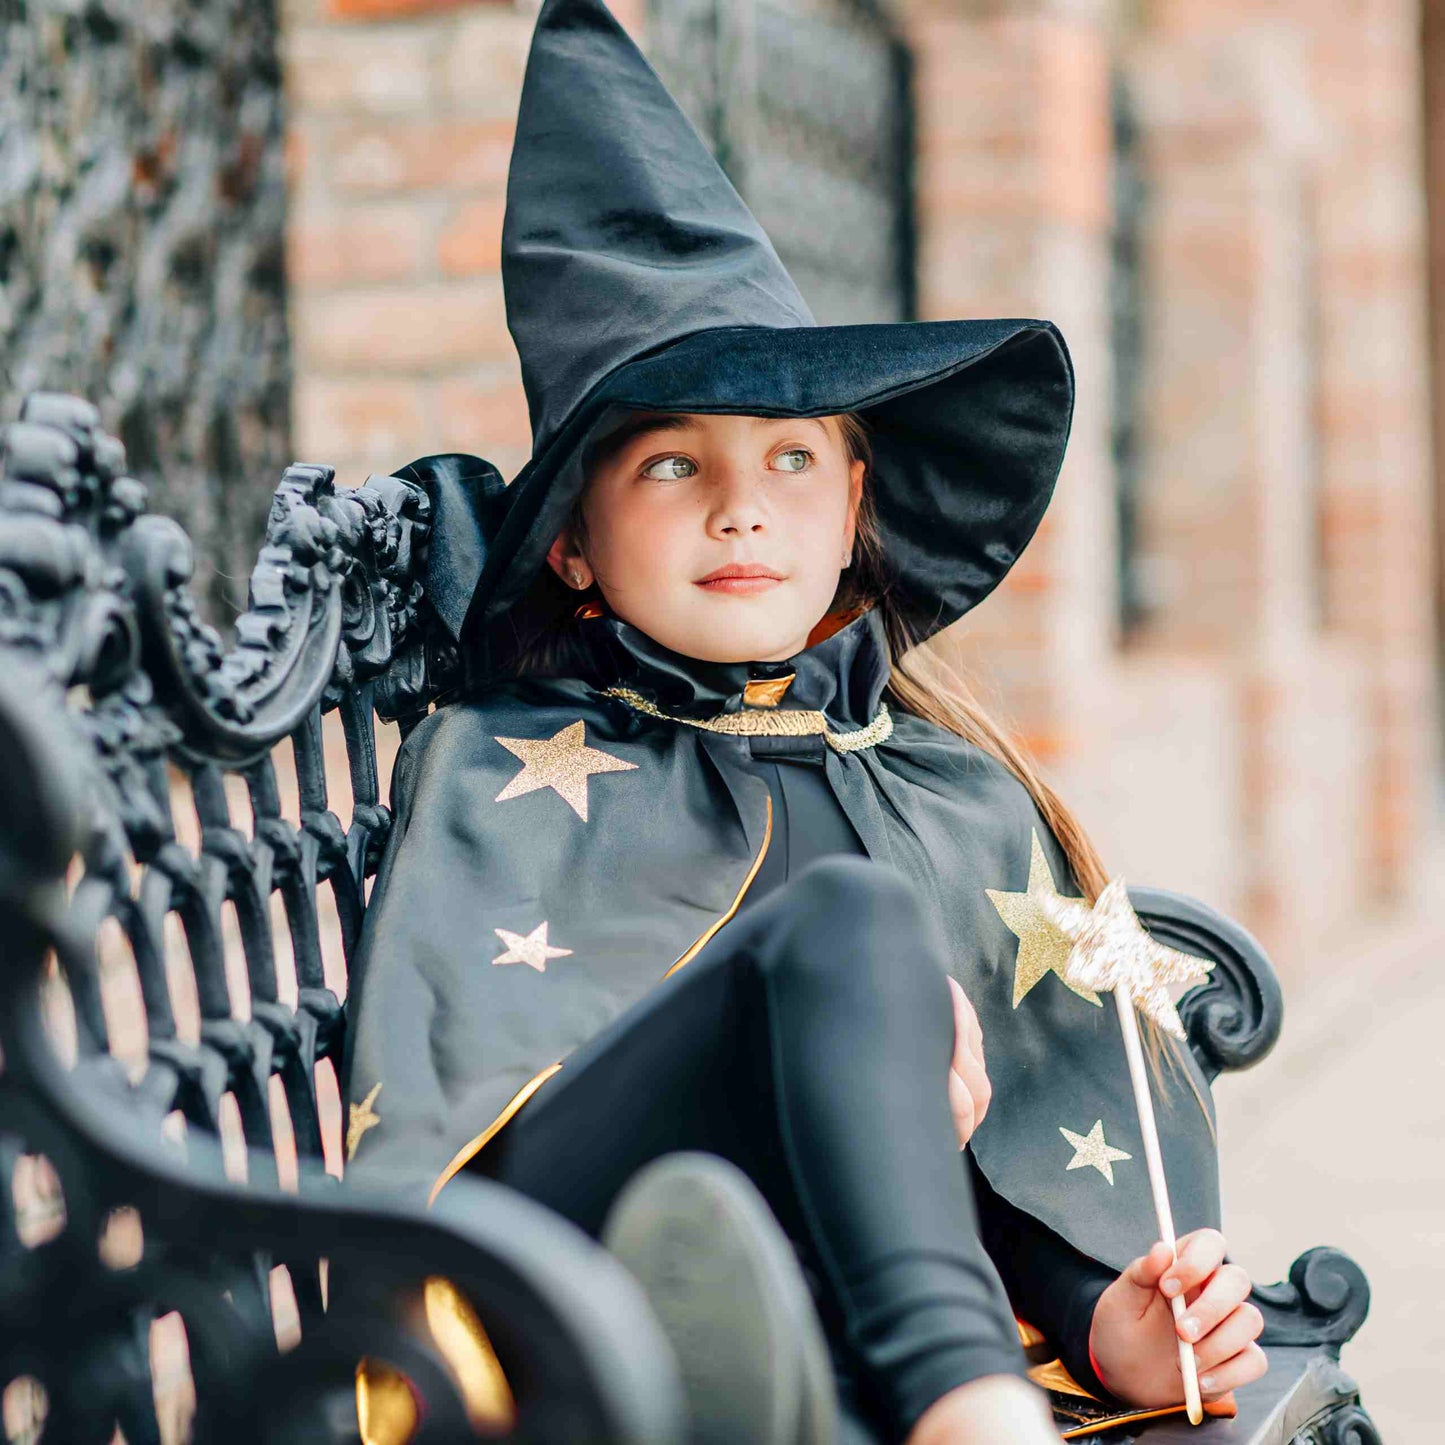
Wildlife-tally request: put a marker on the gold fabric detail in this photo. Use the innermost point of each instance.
(473, 1147)
(1029, 1337)
(1053, 1376)
(697, 945)
(766, 691)
(1043, 948)
(562, 762)
(785, 722)
(362, 1117)
(464, 1345)
(1125, 1417)
(1110, 950)
(386, 1412)
(529, 948)
(1091, 1151)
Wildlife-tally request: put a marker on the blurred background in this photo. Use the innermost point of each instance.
(255, 231)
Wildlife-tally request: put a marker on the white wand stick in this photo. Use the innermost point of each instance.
(1112, 953)
(1129, 1025)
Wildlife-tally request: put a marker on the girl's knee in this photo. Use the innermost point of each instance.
(842, 916)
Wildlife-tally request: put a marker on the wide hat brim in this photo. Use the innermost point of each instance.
(969, 421)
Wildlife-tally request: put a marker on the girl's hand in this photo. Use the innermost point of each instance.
(968, 1087)
(1133, 1336)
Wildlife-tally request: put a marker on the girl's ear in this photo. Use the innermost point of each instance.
(567, 561)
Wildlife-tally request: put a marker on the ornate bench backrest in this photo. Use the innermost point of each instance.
(194, 858)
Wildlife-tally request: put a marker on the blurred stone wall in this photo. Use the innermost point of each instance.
(141, 248)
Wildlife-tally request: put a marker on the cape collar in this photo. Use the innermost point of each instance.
(842, 676)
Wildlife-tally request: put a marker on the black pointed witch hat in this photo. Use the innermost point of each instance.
(636, 277)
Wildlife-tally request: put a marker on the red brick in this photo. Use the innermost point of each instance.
(337, 419)
(483, 60)
(422, 155)
(390, 9)
(360, 69)
(482, 416)
(417, 330)
(470, 243)
(368, 244)
(1073, 68)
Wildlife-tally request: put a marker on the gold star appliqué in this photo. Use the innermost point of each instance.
(1043, 947)
(529, 948)
(1091, 1152)
(1110, 949)
(363, 1117)
(562, 762)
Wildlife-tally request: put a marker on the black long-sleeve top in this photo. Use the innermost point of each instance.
(1049, 1282)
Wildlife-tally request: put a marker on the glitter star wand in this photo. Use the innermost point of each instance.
(1112, 953)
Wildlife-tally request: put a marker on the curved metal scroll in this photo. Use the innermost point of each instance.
(1233, 1019)
(1349, 1425)
(1324, 1301)
(114, 699)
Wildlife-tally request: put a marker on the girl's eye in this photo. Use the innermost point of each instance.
(676, 460)
(795, 459)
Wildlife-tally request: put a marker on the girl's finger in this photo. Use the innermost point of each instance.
(960, 1103)
(1200, 1254)
(975, 1080)
(1247, 1366)
(1216, 1301)
(968, 1032)
(1145, 1271)
(1238, 1330)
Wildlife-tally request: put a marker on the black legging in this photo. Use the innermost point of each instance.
(809, 1042)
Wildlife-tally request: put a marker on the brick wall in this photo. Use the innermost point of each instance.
(1266, 738)
(401, 128)
(402, 114)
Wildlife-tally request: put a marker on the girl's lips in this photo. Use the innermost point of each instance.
(739, 584)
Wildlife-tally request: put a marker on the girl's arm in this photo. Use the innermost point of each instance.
(1049, 1282)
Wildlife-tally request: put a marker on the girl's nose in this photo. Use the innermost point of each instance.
(738, 505)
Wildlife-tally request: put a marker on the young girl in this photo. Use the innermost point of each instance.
(712, 855)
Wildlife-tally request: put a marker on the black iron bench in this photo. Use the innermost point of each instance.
(171, 1012)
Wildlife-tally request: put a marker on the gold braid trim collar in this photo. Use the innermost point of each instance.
(793, 723)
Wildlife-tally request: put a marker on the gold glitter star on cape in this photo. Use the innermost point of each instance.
(529, 948)
(1110, 950)
(363, 1117)
(562, 762)
(1043, 949)
(1091, 1152)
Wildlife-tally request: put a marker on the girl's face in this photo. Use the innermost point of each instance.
(689, 500)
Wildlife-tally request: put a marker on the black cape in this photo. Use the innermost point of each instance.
(557, 850)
